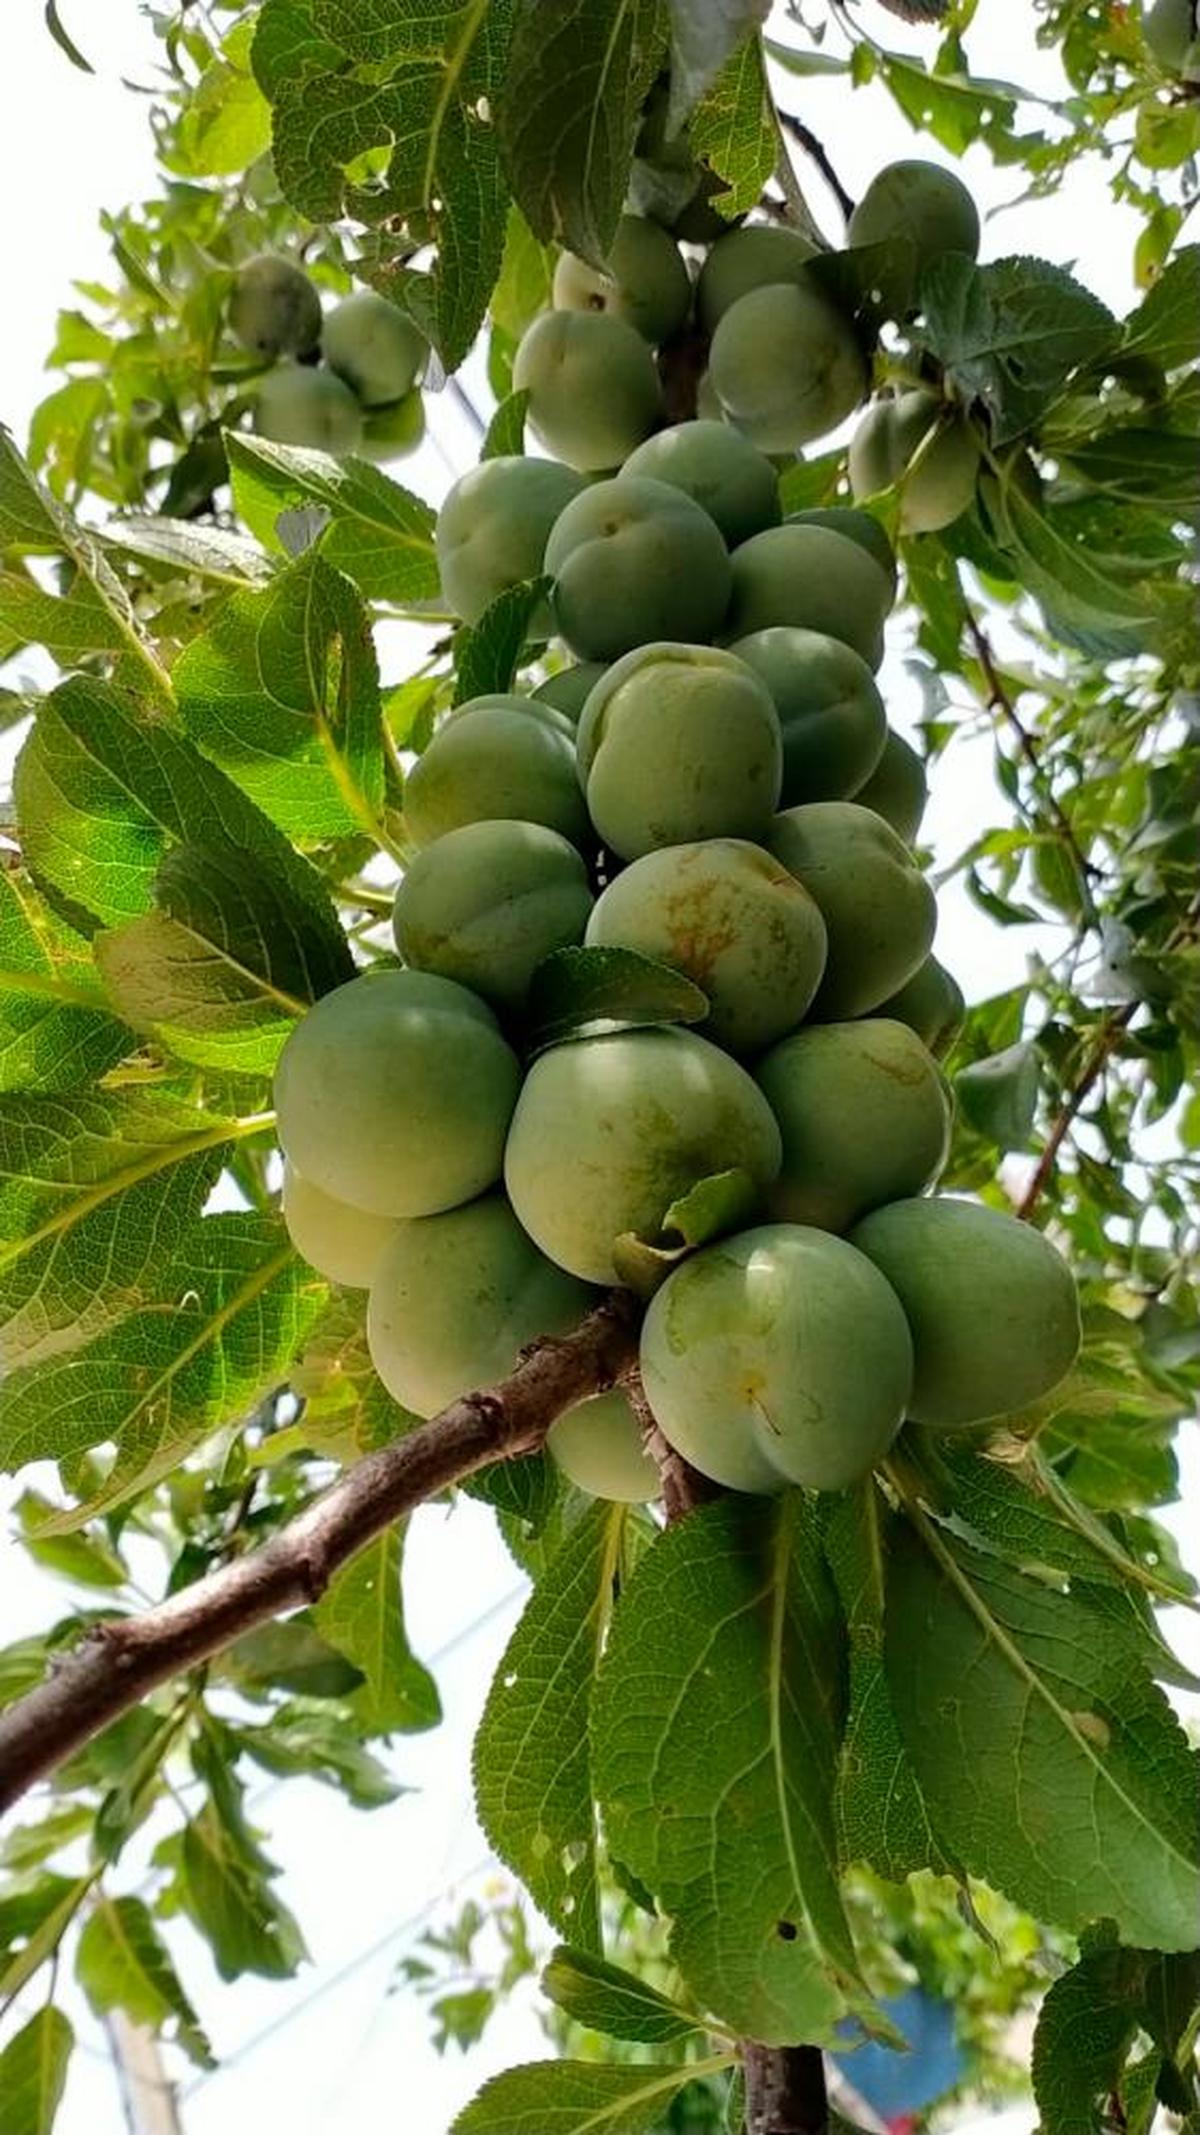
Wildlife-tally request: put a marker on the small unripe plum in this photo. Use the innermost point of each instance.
(593, 387)
(856, 525)
(1172, 32)
(486, 903)
(992, 1307)
(778, 1356)
(924, 204)
(864, 1115)
(786, 365)
(633, 560)
(829, 708)
(492, 762)
(341, 1242)
(812, 579)
(299, 405)
(569, 690)
(879, 910)
(274, 309)
(931, 1003)
(928, 450)
(750, 258)
(392, 433)
(455, 1299)
(493, 528)
(679, 742)
(610, 1131)
(897, 788)
(728, 477)
(395, 1092)
(731, 918)
(647, 283)
(598, 1446)
(374, 347)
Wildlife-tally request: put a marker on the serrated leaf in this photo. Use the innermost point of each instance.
(320, 1744)
(282, 691)
(36, 1918)
(378, 534)
(167, 1376)
(1056, 1769)
(121, 1962)
(533, 1789)
(33, 2072)
(1155, 466)
(1082, 598)
(229, 1898)
(706, 35)
(999, 1095)
(580, 2098)
(578, 74)
(361, 1613)
(609, 2000)
(1164, 325)
(1089, 2020)
(182, 549)
(715, 1730)
(1012, 333)
(98, 1191)
(505, 436)
(56, 1030)
(731, 131)
(576, 989)
(488, 653)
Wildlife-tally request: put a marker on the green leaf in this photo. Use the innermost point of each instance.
(1089, 2020)
(159, 1383)
(37, 1918)
(98, 1191)
(177, 548)
(956, 109)
(1054, 1768)
(86, 1560)
(505, 437)
(732, 132)
(882, 1818)
(320, 1744)
(121, 1962)
(715, 1733)
(526, 278)
(28, 1845)
(1151, 466)
(378, 534)
(1164, 325)
(488, 653)
(1080, 593)
(225, 124)
(577, 989)
(225, 1888)
(33, 2071)
(706, 36)
(1012, 333)
(56, 1031)
(999, 1095)
(282, 691)
(578, 74)
(362, 1615)
(580, 2098)
(54, 24)
(724, 1201)
(606, 1999)
(533, 1789)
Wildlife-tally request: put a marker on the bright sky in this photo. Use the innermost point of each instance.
(335, 2048)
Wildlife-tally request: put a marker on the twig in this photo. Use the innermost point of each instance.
(120, 1661)
(683, 1487)
(1107, 1038)
(785, 2090)
(816, 149)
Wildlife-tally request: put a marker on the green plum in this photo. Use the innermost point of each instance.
(731, 918)
(647, 283)
(878, 908)
(493, 528)
(829, 708)
(679, 742)
(931, 1003)
(1172, 32)
(811, 579)
(491, 762)
(864, 1115)
(456, 1297)
(486, 903)
(633, 559)
(750, 258)
(713, 463)
(925, 449)
(299, 405)
(920, 211)
(395, 1092)
(274, 309)
(856, 525)
(897, 788)
(786, 365)
(374, 347)
(341, 1242)
(592, 384)
(392, 433)
(598, 1446)
(992, 1307)
(610, 1131)
(778, 1356)
(569, 690)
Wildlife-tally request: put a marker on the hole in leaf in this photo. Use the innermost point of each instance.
(787, 1931)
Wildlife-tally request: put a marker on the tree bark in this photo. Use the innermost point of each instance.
(119, 1662)
(785, 2090)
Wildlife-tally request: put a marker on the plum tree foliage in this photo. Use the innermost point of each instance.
(537, 1073)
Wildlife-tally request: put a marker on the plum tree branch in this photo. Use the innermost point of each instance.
(807, 140)
(1106, 1040)
(785, 2090)
(120, 1661)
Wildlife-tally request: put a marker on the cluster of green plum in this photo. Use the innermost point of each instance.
(740, 813)
(343, 381)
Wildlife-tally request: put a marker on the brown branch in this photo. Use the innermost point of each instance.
(1107, 1038)
(816, 149)
(785, 2090)
(119, 1662)
(683, 1487)
(999, 701)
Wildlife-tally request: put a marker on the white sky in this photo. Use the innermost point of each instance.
(315, 2054)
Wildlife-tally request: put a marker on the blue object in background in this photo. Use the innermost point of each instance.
(897, 2083)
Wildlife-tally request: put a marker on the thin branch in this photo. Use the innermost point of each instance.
(816, 149)
(119, 1662)
(683, 1487)
(785, 2090)
(1107, 1038)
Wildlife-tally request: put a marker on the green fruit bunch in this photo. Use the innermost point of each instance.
(712, 785)
(342, 381)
